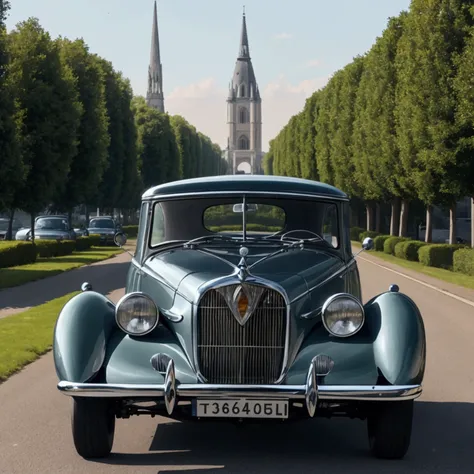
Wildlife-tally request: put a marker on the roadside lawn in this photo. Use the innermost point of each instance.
(444, 275)
(46, 267)
(26, 336)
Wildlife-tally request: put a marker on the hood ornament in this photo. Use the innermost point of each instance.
(243, 266)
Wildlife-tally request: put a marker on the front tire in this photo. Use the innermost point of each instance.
(93, 427)
(389, 429)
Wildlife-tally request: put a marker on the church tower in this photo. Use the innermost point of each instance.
(154, 96)
(244, 113)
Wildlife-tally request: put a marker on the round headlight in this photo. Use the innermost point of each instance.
(343, 315)
(136, 314)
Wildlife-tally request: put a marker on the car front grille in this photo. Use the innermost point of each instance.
(229, 353)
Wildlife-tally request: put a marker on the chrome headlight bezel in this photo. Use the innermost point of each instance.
(154, 315)
(349, 299)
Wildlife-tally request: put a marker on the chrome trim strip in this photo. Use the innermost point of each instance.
(293, 392)
(167, 197)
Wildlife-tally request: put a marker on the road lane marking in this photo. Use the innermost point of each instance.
(439, 290)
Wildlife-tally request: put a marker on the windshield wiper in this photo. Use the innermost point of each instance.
(205, 239)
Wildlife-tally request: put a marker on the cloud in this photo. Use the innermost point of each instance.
(203, 104)
(313, 63)
(283, 36)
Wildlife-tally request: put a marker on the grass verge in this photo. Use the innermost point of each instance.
(444, 275)
(26, 336)
(46, 267)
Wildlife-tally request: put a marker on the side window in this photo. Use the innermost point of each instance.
(157, 226)
(330, 225)
(141, 238)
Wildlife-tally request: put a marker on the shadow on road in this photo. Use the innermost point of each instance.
(105, 277)
(441, 443)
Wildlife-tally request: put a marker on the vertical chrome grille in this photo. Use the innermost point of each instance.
(230, 353)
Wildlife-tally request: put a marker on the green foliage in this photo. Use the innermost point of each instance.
(54, 248)
(390, 243)
(83, 243)
(46, 94)
(355, 233)
(463, 261)
(379, 242)
(368, 233)
(438, 255)
(408, 249)
(131, 231)
(17, 253)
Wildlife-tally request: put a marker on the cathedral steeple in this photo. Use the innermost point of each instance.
(154, 95)
(244, 52)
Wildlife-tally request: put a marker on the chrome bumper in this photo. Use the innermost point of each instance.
(311, 393)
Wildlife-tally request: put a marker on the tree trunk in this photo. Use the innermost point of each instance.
(377, 217)
(32, 228)
(429, 224)
(395, 217)
(472, 222)
(452, 224)
(9, 235)
(87, 215)
(69, 216)
(403, 219)
(368, 208)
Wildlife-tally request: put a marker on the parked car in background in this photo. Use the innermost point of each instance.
(81, 231)
(16, 226)
(49, 227)
(106, 227)
(243, 302)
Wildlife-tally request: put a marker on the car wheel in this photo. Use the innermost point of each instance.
(389, 429)
(93, 427)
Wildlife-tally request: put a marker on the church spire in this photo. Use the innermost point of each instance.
(155, 71)
(244, 52)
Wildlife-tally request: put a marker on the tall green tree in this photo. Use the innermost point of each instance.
(87, 167)
(46, 93)
(434, 34)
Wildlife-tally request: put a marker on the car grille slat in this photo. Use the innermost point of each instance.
(229, 353)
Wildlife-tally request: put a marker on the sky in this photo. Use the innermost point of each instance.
(295, 47)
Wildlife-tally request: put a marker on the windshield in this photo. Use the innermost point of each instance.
(51, 223)
(3, 224)
(264, 219)
(102, 224)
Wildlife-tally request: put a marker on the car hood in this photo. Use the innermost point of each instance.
(46, 233)
(296, 271)
(99, 230)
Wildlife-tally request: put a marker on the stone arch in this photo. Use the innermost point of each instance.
(244, 143)
(243, 115)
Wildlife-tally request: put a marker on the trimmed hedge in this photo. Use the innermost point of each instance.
(379, 242)
(17, 253)
(391, 242)
(408, 249)
(94, 239)
(368, 233)
(438, 255)
(463, 261)
(130, 230)
(54, 248)
(83, 243)
(355, 233)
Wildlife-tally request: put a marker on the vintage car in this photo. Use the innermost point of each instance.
(49, 227)
(242, 303)
(106, 227)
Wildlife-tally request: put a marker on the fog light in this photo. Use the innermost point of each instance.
(323, 364)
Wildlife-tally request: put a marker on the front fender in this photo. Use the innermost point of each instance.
(399, 338)
(81, 333)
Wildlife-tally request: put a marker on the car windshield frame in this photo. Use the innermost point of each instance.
(276, 199)
(52, 219)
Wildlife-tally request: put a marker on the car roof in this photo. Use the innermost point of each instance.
(245, 183)
(52, 216)
(101, 217)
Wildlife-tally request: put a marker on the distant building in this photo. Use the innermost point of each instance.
(154, 96)
(244, 114)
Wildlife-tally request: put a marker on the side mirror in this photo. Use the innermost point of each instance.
(368, 243)
(120, 239)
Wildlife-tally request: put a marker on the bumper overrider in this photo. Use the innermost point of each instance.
(311, 393)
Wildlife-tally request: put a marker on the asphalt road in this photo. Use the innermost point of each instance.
(35, 432)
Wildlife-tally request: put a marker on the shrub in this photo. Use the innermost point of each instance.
(54, 248)
(94, 239)
(379, 242)
(355, 232)
(408, 249)
(391, 242)
(463, 261)
(17, 253)
(368, 233)
(130, 230)
(438, 255)
(83, 243)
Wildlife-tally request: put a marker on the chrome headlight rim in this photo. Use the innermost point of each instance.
(125, 298)
(331, 300)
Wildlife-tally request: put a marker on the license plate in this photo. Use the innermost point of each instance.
(241, 408)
